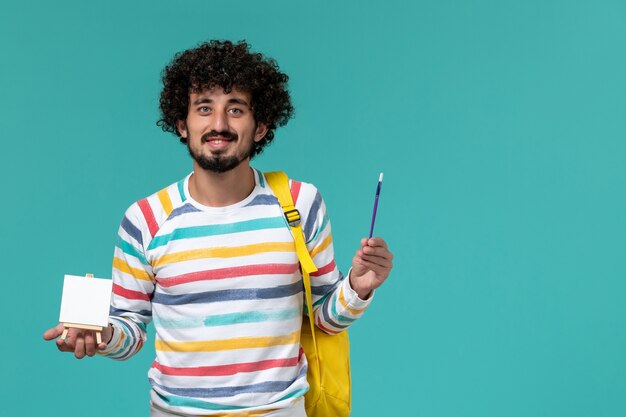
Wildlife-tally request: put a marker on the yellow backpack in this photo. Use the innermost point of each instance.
(328, 356)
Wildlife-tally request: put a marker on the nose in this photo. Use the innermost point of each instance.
(220, 121)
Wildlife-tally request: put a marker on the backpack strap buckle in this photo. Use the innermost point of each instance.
(293, 217)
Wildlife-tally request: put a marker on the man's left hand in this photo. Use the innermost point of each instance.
(370, 266)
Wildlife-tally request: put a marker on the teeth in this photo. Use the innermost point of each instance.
(217, 141)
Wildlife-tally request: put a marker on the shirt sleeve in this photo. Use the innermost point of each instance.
(133, 285)
(335, 304)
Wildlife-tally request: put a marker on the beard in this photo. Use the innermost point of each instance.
(217, 162)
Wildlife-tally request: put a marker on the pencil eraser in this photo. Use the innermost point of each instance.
(381, 177)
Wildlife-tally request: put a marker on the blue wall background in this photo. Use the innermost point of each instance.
(500, 128)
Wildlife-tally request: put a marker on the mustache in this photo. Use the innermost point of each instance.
(224, 134)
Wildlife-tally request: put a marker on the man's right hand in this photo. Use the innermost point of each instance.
(81, 342)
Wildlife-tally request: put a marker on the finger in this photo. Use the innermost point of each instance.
(356, 260)
(377, 251)
(379, 260)
(381, 272)
(79, 349)
(71, 338)
(69, 343)
(63, 346)
(375, 260)
(90, 344)
(106, 336)
(53, 332)
(384, 259)
(377, 241)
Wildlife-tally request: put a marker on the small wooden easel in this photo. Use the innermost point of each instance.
(97, 329)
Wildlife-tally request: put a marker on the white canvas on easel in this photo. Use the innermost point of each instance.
(85, 301)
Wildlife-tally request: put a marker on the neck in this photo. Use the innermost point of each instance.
(221, 189)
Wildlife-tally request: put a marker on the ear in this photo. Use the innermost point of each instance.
(261, 131)
(181, 125)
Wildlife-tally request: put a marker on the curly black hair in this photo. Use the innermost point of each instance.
(227, 65)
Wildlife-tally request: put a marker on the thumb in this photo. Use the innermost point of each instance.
(53, 332)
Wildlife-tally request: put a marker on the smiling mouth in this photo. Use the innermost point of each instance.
(218, 139)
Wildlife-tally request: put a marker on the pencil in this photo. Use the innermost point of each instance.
(380, 184)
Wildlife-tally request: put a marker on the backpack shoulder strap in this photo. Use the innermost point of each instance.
(279, 183)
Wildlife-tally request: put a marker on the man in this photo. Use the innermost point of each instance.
(211, 261)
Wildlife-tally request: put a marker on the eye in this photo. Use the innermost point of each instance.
(204, 109)
(235, 111)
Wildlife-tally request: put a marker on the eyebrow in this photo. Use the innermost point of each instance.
(233, 100)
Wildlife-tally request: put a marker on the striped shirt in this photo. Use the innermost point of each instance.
(223, 287)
